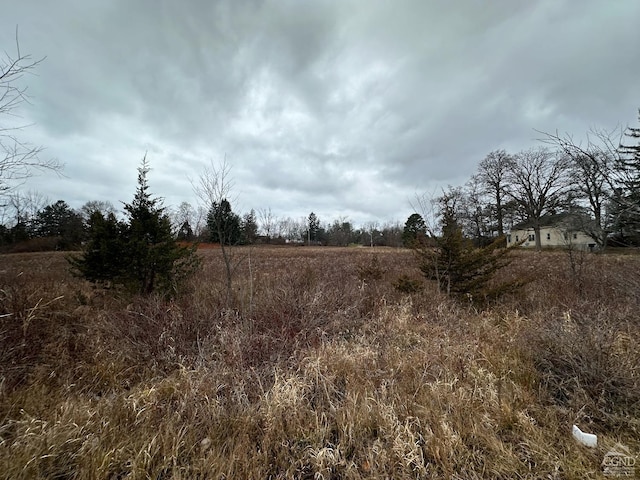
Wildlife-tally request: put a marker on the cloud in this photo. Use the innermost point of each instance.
(345, 108)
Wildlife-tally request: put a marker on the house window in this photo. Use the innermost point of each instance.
(548, 236)
(517, 239)
(508, 238)
(532, 237)
(575, 236)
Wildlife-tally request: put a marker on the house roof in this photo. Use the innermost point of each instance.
(572, 220)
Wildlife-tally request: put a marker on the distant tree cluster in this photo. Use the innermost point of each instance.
(57, 225)
(597, 181)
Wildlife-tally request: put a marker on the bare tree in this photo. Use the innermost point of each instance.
(286, 228)
(291, 229)
(426, 204)
(457, 201)
(200, 222)
(493, 175)
(592, 166)
(371, 228)
(463, 202)
(477, 211)
(391, 234)
(214, 186)
(105, 207)
(26, 205)
(268, 222)
(19, 160)
(182, 217)
(539, 185)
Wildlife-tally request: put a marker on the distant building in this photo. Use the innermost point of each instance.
(559, 230)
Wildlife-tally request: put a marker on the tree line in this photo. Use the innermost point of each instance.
(29, 222)
(596, 181)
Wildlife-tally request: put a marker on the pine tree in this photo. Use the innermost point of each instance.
(313, 228)
(223, 224)
(631, 156)
(415, 230)
(140, 254)
(626, 199)
(59, 220)
(461, 270)
(249, 228)
(102, 259)
(185, 233)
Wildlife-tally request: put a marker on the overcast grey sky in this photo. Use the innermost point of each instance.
(346, 108)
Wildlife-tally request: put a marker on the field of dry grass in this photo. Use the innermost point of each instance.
(320, 369)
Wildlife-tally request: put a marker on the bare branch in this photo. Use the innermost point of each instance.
(594, 167)
(213, 187)
(426, 205)
(539, 184)
(214, 184)
(19, 160)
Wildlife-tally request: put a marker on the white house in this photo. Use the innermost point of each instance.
(559, 230)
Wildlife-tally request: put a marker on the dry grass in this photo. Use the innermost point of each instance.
(319, 368)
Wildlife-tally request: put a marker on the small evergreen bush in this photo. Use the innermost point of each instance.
(371, 270)
(462, 270)
(406, 284)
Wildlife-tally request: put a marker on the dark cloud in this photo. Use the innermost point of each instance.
(342, 107)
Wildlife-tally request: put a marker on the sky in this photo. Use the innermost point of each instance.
(347, 108)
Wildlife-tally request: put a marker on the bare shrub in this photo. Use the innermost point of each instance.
(590, 363)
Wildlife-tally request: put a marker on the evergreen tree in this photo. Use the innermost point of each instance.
(185, 233)
(626, 197)
(415, 230)
(461, 270)
(20, 232)
(103, 258)
(340, 233)
(313, 228)
(59, 220)
(631, 158)
(223, 224)
(140, 253)
(249, 228)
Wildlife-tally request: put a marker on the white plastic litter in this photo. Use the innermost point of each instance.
(586, 439)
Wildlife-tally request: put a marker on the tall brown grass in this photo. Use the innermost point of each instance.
(317, 368)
